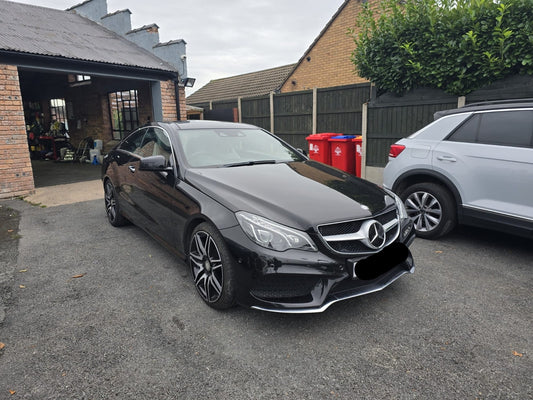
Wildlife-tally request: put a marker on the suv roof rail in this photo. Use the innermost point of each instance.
(505, 101)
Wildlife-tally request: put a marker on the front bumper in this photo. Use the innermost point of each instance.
(309, 282)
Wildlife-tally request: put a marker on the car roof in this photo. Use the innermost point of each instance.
(487, 106)
(204, 124)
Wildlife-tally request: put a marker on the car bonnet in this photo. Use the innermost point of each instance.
(297, 194)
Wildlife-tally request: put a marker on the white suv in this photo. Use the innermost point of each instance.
(472, 165)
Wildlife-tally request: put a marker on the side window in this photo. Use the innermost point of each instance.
(133, 141)
(147, 147)
(502, 128)
(162, 145)
(154, 143)
(506, 128)
(467, 132)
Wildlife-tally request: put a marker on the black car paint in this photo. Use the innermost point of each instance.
(280, 192)
(184, 197)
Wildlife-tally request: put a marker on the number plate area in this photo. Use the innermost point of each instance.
(378, 264)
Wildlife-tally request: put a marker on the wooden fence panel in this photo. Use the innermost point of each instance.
(340, 109)
(512, 87)
(256, 111)
(294, 117)
(389, 123)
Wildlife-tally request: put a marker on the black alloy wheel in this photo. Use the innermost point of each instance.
(112, 208)
(211, 267)
(432, 209)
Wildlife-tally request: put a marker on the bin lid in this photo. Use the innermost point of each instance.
(343, 137)
(321, 136)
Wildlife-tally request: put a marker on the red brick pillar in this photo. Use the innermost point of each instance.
(168, 100)
(16, 176)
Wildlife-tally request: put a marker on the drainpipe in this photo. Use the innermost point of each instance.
(177, 90)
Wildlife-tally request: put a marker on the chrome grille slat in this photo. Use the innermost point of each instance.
(347, 237)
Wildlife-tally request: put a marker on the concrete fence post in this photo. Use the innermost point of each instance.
(315, 97)
(364, 129)
(272, 112)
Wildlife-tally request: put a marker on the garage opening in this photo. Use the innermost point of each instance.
(72, 120)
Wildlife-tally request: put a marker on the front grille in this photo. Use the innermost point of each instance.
(340, 229)
(349, 246)
(354, 237)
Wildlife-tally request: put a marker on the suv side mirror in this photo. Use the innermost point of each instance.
(154, 163)
(302, 151)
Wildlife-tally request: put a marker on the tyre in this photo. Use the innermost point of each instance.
(212, 267)
(112, 207)
(432, 209)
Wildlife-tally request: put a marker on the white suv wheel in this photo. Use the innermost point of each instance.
(425, 211)
(432, 209)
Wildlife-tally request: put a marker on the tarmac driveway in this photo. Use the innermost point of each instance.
(96, 312)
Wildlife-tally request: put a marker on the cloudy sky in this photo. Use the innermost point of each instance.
(228, 37)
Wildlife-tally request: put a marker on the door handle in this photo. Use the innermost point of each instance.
(446, 158)
(131, 168)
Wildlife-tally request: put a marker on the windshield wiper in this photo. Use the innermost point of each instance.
(244, 163)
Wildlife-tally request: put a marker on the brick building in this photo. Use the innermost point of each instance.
(326, 63)
(86, 70)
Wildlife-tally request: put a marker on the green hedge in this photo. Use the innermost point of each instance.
(457, 46)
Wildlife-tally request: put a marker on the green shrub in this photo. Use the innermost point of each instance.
(457, 46)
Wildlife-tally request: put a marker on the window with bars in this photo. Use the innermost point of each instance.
(124, 115)
(58, 113)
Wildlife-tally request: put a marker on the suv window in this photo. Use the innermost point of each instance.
(468, 131)
(507, 128)
(503, 128)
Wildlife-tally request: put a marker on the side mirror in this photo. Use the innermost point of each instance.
(154, 163)
(302, 151)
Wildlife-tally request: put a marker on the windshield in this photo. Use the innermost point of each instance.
(233, 147)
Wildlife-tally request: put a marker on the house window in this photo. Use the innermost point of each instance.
(124, 116)
(82, 78)
(58, 113)
(78, 80)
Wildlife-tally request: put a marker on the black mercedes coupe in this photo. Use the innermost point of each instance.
(256, 221)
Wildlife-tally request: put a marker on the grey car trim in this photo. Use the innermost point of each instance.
(486, 210)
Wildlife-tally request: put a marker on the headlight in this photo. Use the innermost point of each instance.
(402, 212)
(272, 235)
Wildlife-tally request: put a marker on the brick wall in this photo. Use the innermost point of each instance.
(16, 177)
(328, 62)
(88, 120)
(90, 105)
(168, 98)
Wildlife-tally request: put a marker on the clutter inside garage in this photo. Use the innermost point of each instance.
(73, 118)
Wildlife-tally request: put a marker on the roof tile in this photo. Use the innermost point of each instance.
(45, 31)
(246, 85)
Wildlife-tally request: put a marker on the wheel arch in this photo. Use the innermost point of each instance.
(192, 223)
(421, 176)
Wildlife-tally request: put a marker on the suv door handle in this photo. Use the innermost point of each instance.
(131, 168)
(446, 158)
